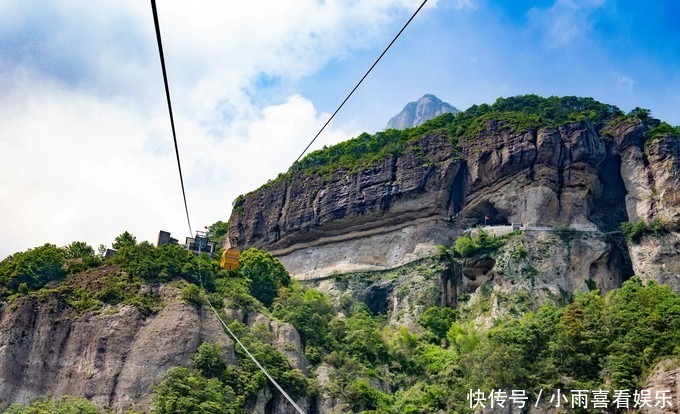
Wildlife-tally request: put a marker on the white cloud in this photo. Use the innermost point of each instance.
(85, 143)
(565, 21)
(624, 83)
(465, 4)
(75, 167)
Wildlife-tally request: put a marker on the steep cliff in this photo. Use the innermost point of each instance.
(115, 356)
(587, 171)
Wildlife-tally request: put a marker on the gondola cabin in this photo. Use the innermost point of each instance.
(229, 259)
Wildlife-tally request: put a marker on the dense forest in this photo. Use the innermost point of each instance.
(595, 342)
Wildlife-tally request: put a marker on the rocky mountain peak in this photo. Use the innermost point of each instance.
(416, 113)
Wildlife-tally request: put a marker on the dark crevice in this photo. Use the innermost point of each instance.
(457, 191)
(273, 402)
(532, 165)
(487, 214)
(609, 210)
(112, 395)
(448, 286)
(391, 189)
(560, 174)
(619, 259)
(376, 298)
(284, 201)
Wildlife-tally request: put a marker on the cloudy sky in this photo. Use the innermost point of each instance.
(85, 141)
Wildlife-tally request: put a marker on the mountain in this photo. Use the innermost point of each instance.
(416, 113)
(379, 202)
(530, 244)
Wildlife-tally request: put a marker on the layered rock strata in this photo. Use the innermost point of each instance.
(396, 211)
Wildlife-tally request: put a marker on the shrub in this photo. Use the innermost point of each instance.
(32, 269)
(62, 405)
(192, 294)
(266, 273)
(124, 240)
(438, 320)
(184, 391)
(208, 360)
(309, 311)
(634, 232)
(477, 244)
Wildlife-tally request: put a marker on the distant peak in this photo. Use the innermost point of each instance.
(416, 113)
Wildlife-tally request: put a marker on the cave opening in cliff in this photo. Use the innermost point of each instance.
(457, 193)
(488, 215)
(609, 210)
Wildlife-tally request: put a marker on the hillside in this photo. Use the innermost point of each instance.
(365, 284)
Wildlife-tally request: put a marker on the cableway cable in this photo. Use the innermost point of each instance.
(186, 209)
(167, 95)
(359, 83)
(264, 371)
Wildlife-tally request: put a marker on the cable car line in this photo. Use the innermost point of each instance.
(360, 81)
(186, 208)
(264, 371)
(167, 95)
(179, 167)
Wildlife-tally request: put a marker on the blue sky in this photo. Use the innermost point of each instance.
(85, 144)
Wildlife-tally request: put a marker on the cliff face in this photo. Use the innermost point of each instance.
(651, 173)
(370, 219)
(115, 357)
(399, 209)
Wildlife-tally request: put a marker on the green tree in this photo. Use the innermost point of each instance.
(34, 268)
(438, 320)
(101, 250)
(208, 360)
(79, 256)
(466, 247)
(361, 337)
(266, 273)
(219, 230)
(184, 391)
(62, 405)
(192, 294)
(78, 250)
(641, 113)
(124, 240)
(309, 311)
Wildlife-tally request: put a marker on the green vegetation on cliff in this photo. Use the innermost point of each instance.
(515, 114)
(372, 366)
(62, 405)
(635, 231)
(213, 386)
(70, 275)
(22, 272)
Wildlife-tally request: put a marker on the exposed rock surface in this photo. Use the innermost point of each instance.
(372, 219)
(398, 210)
(112, 358)
(115, 357)
(416, 113)
(664, 381)
(400, 294)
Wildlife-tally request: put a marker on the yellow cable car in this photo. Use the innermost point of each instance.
(230, 257)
